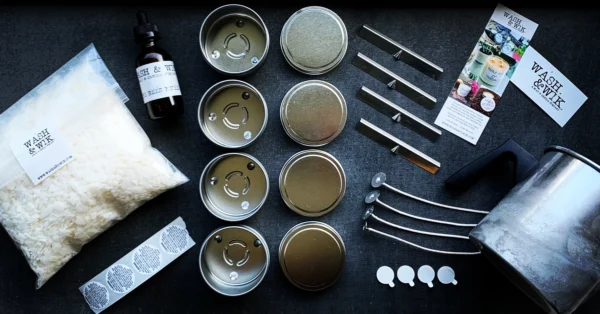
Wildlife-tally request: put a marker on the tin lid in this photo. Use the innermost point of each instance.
(314, 40)
(234, 186)
(312, 183)
(313, 113)
(234, 39)
(234, 260)
(312, 255)
(232, 114)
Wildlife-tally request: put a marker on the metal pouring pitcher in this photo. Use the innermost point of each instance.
(545, 234)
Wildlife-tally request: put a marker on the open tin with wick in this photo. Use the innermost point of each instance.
(312, 183)
(234, 260)
(234, 186)
(232, 114)
(312, 255)
(314, 40)
(234, 40)
(313, 113)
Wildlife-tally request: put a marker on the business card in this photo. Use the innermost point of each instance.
(547, 87)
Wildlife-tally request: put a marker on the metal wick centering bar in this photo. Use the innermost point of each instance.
(394, 81)
(397, 147)
(379, 181)
(400, 52)
(398, 114)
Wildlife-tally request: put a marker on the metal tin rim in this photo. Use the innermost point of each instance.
(256, 282)
(259, 21)
(213, 90)
(313, 223)
(573, 154)
(322, 142)
(330, 158)
(330, 66)
(219, 213)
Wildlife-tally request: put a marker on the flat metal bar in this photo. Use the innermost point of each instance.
(400, 52)
(398, 114)
(397, 146)
(394, 81)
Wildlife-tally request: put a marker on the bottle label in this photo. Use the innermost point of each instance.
(158, 80)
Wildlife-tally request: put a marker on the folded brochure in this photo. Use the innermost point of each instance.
(486, 74)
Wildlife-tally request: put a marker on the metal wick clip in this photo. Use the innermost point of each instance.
(400, 52)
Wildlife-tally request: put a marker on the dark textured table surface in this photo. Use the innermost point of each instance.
(34, 42)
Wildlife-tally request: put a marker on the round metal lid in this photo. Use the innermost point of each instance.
(234, 39)
(234, 186)
(234, 260)
(313, 113)
(314, 40)
(312, 183)
(312, 255)
(232, 114)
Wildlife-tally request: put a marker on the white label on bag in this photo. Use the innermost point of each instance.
(137, 266)
(42, 151)
(158, 80)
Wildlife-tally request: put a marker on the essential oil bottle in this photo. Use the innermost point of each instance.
(156, 73)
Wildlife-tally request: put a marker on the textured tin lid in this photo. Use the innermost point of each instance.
(234, 260)
(234, 186)
(232, 114)
(313, 113)
(234, 39)
(314, 40)
(312, 255)
(312, 183)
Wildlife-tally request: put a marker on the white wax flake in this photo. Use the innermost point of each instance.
(115, 169)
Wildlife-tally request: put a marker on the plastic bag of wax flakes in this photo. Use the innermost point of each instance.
(74, 161)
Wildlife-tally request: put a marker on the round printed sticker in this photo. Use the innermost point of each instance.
(120, 278)
(174, 239)
(96, 295)
(146, 259)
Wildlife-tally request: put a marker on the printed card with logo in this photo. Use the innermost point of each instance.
(547, 87)
(42, 151)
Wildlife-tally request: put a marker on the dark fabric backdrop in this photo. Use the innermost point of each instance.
(34, 42)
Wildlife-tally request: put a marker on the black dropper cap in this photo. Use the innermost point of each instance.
(145, 30)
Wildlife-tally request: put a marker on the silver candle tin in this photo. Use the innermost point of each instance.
(234, 40)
